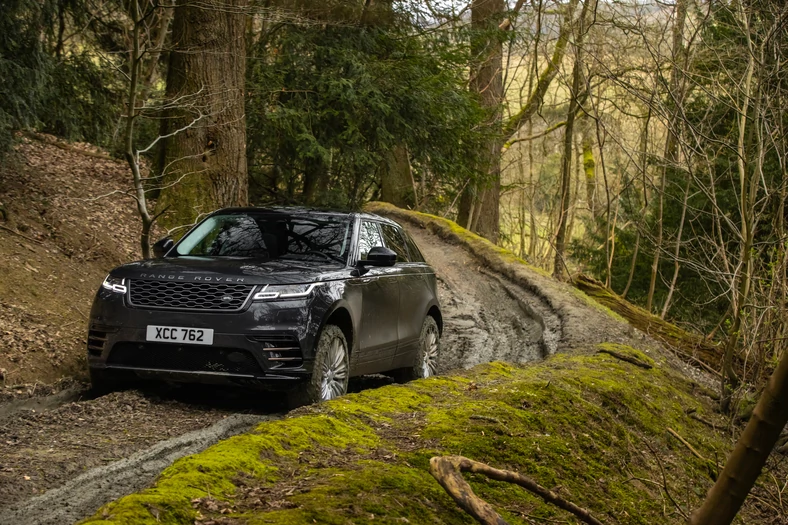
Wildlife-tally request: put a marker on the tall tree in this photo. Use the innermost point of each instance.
(479, 204)
(566, 157)
(675, 98)
(204, 154)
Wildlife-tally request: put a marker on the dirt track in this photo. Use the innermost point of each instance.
(72, 445)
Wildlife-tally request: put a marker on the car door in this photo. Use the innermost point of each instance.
(379, 290)
(413, 295)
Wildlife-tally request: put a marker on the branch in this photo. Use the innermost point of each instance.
(623, 357)
(541, 134)
(507, 22)
(447, 471)
(516, 121)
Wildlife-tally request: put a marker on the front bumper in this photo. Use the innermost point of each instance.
(269, 344)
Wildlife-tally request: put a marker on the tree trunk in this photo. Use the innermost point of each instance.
(205, 152)
(589, 168)
(676, 250)
(396, 179)
(672, 141)
(566, 156)
(536, 97)
(315, 179)
(747, 195)
(745, 463)
(479, 203)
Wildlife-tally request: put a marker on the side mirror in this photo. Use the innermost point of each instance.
(161, 247)
(380, 256)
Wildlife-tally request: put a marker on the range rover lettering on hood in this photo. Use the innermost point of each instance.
(204, 278)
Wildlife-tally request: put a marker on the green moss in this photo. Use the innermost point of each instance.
(585, 423)
(596, 305)
(626, 351)
(466, 236)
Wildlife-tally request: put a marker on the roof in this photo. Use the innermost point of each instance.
(303, 210)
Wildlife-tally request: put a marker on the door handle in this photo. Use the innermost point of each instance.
(366, 280)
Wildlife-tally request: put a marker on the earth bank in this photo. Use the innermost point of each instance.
(590, 426)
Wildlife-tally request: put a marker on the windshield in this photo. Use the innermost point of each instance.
(269, 236)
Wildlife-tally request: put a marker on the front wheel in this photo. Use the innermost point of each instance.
(426, 362)
(330, 372)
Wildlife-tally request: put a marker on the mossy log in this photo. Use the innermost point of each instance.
(692, 347)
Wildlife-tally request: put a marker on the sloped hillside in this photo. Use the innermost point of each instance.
(632, 444)
(610, 423)
(61, 230)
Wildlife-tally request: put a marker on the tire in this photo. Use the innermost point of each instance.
(330, 371)
(427, 356)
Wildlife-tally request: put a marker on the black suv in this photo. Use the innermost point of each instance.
(285, 298)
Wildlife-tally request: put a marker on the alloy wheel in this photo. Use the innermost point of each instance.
(429, 366)
(335, 371)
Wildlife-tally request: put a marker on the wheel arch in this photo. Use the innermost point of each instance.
(339, 315)
(434, 311)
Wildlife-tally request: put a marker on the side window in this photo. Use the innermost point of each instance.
(415, 253)
(395, 242)
(368, 238)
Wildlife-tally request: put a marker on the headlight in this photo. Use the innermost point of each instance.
(114, 284)
(285, 291)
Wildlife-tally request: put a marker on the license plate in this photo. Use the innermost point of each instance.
(178, 334)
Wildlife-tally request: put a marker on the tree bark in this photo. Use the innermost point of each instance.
(479, 203)
(396, 179)
(589, 168)
(745, 463)
(566, 156)
(205, 151)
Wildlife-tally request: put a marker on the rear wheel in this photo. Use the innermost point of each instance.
(330, 372)
(426, 362)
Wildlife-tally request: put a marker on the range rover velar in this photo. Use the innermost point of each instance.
(284, 298)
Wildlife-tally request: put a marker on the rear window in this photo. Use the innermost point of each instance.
(268, 237)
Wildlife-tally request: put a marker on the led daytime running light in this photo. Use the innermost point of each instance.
(113, 284)
(266, 294)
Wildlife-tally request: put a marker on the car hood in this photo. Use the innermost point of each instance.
(231, 270)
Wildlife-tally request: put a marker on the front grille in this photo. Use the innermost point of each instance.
(281, 349)
(162, 356)
(189, 296)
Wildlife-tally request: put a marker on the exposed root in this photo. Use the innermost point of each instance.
(447, 471)
(628, 359)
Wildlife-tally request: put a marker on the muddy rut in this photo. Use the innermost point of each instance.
(62, 456)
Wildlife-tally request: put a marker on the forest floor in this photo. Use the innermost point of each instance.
(63, 454)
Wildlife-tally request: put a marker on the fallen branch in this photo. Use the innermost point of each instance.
(623, 357)
(447, 471)
(21, 235)
(686, 444)
(696, 417)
